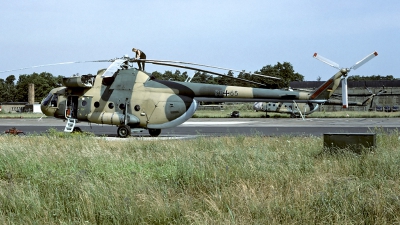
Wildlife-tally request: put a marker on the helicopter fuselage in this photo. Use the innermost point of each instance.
(135, 99)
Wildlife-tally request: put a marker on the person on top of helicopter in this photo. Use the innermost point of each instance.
(139, 55)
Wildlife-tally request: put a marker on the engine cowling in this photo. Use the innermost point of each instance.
(84, 81)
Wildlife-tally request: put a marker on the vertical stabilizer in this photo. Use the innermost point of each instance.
(326, 90)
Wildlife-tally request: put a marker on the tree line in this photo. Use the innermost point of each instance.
(12, 90)
(373, 77)
(17, 91)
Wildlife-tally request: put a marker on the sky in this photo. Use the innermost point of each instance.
(238, 35)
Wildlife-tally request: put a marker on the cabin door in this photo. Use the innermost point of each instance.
(71, 109)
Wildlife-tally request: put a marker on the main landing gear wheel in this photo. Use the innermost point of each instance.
(154, 132)
(124, 131)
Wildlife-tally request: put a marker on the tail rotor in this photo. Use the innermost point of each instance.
(345, 72)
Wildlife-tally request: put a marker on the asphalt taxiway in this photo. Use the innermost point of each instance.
(223, 126)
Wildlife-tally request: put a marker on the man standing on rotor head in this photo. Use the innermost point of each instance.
(139, 55)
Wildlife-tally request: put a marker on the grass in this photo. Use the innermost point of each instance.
(21, 115)
(79, 179)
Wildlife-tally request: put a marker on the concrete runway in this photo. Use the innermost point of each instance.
(224, 126)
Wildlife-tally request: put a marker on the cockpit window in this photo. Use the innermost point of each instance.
(52, 99)
(46, 100)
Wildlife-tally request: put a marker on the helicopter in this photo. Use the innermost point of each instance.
(296, 109)
(135, 101)
(300, 109)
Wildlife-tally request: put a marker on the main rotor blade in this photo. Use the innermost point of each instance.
(196, 64)
(116, 65)
(206, 71)
(364, 60)
(372, 100)
(365, 85)
(53, 64)
(327, 61)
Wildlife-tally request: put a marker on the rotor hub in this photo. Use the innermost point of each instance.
(344, 71)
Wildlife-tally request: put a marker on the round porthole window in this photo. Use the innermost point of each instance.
(111, 105)
(137, 107)
(122, 106)
(97, 104)
(84, 103)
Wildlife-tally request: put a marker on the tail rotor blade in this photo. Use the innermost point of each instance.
(364, 60)
(327, 61)
(345, 103)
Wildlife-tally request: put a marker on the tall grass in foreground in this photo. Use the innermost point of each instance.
(62, 179)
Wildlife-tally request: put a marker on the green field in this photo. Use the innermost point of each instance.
(80, 179)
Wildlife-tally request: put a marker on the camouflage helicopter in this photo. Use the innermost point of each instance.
(296, 109)
(134, 100)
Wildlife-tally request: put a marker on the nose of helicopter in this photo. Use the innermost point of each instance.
(50, 103)
(45, 105)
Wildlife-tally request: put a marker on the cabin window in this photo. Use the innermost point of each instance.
(97, 104)
(111, 105)
(84, 102)
(137, 107)
(121, 106)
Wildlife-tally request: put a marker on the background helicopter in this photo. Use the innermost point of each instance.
(301, 109)
(134, 100)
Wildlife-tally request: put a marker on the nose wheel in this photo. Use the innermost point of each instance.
(124, 131)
